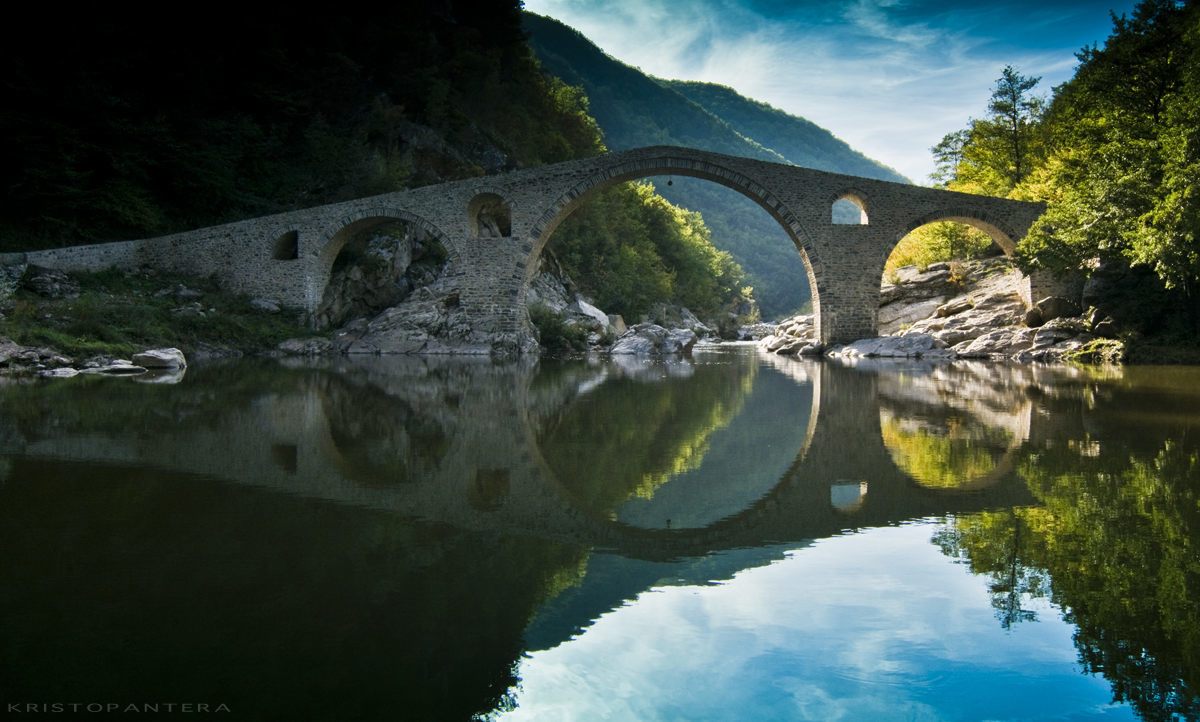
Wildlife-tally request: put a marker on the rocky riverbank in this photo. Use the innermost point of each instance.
(967, 309)
(159, 365)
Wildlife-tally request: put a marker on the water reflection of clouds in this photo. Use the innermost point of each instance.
(873, 624)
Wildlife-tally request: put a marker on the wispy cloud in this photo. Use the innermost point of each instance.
(890, 77)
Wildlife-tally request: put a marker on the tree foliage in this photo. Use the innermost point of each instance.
(628, 248)
(1113, 544)
(1115, 154)
(1122, 164)
(992, 156)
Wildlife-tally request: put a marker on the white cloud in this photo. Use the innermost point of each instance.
(889, 77)
(862, 626)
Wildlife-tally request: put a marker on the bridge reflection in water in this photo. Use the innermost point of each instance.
(657, 460)
(465, 495)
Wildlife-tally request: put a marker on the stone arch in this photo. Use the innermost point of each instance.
(489, 215)
(673, 163)
(854, 198)
(346, 227)
(1001, 233)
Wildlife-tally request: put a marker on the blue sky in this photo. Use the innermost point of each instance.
(889, 77)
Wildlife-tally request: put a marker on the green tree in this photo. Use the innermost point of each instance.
(994, 154)
(1122, 166)
(628, 248)
(1015, 114)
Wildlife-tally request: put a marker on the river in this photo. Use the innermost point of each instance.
(733, 536)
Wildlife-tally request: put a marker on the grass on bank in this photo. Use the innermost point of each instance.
(120, 313)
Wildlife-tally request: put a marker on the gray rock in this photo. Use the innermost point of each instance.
(49, 282)
(649, 339)
(913, 345)
(1053, 307)
(997, 343)
(306, 346)
(587, 310)
(955, 307)
(264, 305)
(160, 358)
(117, 368)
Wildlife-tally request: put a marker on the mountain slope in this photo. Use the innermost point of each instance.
(798, 140)
(634, 110)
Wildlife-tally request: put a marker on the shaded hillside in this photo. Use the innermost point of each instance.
(635, 110)
(632, 108)
(118, 127)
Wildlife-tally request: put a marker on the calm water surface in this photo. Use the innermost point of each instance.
(731, 537)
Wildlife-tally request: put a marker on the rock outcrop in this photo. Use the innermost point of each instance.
(650, 339)
(968, 310)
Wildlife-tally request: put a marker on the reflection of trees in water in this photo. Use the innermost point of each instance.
(991, 543)
(945, 453)
(1119, 533)
(607, 448)
(289, 608)
(951, 427)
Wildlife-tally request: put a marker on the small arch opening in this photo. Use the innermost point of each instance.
(287, 247)
(490, 216)
(849, 210)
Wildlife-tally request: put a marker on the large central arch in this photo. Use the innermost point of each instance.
(709, 169)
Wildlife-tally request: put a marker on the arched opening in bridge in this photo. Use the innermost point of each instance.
(849, 209)
(287, 247)
(380, 263)
(640, 250)
(490, 216)
(937, 269)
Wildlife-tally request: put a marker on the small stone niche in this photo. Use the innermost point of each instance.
(287, 247)
(491, 216)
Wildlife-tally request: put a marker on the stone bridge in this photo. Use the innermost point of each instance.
(495, 227)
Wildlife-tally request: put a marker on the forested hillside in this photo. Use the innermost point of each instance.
(635, 110)
(119, 127)
(116, 127)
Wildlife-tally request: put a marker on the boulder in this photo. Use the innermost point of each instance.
(587, 310)
(116, 368)
(997, 343)
(306, 346)
(913, 345)
(1053, 307)
(160, 358)
(49, 282)
(649, 339)
(264, 305)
